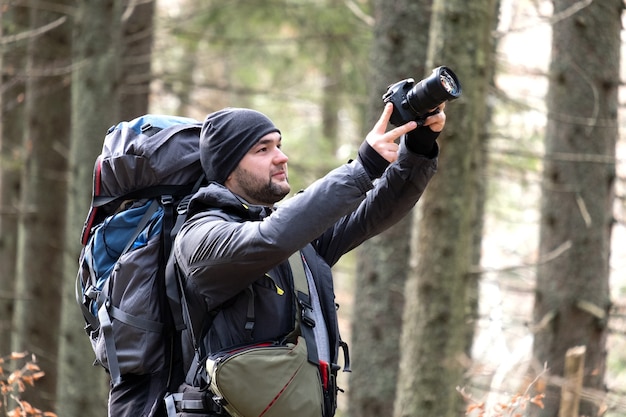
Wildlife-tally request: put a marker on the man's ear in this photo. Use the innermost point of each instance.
(229, 178)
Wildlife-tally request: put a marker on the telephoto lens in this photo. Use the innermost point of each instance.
(418, 101)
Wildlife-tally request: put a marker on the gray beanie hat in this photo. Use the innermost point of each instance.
(226, 136)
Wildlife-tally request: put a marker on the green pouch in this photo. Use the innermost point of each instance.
(267, 380)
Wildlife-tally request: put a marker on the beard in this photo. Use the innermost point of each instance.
(257, 190)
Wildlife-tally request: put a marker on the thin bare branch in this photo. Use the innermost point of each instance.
(5, 40)
(564, 247)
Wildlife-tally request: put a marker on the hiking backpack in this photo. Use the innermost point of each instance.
(146, 168)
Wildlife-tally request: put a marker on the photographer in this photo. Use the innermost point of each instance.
(238, 239)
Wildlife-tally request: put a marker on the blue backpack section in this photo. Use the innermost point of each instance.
(112, 236)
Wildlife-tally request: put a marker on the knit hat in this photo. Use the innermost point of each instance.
(226, 136)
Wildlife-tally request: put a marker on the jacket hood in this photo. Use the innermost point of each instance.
(216, 196)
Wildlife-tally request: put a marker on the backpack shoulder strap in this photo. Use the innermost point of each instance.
(304, 314)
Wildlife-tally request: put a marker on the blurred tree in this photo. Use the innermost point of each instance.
(438, 309)
(14, 25)
(137, 34)
(398, 52)
(302, 71)
(572, 300)
(110, 36)
(45, 135)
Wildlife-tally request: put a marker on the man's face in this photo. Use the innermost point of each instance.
(261, 176)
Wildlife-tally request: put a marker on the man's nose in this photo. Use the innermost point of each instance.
(280, 157)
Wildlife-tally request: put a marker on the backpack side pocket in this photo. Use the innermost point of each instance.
(133, 306)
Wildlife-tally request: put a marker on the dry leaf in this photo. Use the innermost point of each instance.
(538, 400)
(32, 367)
(38, 375)
(18, 355)
(14, 377)
(473, 407)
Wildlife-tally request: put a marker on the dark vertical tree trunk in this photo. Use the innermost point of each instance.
(572, 297)
(398, 52)
(331, 90)
(438, 309)
(41, 219)
(14, 20)
(82, 389)
(136, 64)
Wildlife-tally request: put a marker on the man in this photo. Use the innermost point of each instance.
(237, 239)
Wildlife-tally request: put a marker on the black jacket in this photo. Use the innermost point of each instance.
(227, 245)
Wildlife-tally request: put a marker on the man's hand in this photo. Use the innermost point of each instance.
(382, 141)
(385, 142)
(437, 121)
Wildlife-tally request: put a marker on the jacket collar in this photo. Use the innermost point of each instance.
(217, 196)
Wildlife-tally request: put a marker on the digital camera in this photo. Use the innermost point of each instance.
(418, 101)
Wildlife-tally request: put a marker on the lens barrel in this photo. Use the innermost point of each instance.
(418, 101)
(442, 85)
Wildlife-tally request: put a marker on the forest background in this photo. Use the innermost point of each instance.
(514, 255)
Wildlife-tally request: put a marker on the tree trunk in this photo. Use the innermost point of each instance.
(332, 89)
(137, 35)
(436, 327)
(95, 107)
(41, 221)
(399, 52)
(572, 297)
(13, 21)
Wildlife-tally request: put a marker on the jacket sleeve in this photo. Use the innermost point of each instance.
(338, 212)
(221, 257)
(392, 198)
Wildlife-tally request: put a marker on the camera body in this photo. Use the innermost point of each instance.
(418, 101)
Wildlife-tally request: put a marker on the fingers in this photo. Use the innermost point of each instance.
(383, 121)
(379, 133)
(389, 151)
(401, 130)
(436, 122)
(384, 142)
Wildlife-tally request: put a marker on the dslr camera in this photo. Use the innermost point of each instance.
(418, 101)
